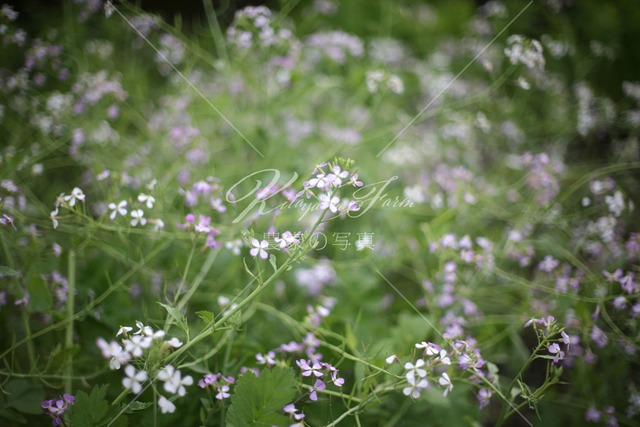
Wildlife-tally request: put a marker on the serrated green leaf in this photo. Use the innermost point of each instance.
(89, 409)
(8, 272)
(258, 401)
(207, 316)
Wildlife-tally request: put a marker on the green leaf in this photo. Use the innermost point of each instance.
(8, 272)
(492, 368)
(207, 316)
(40, 298)
(23, 397)
(89, 410)
(12, 415)
(137, 406)
(272, 261)
(258, 401)
(235, 321)
(177, 316)
(352, 341)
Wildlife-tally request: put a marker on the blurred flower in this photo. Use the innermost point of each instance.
(120, 209)
(259, 248)
(134, 379)
(166, 406)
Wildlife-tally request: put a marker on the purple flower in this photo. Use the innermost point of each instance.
(484, 398)
(7, 220)
(548, 264)
(57, 407)
(557, 352)
(318, 385)
(599, 337)
(593, 415)
(309, 368)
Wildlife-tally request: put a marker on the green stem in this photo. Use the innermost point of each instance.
(199, 279)
(503, 412)
(249, 298)
(184, 277)
(27, 330)
(89, 308)
(360, 406)
(68, 373)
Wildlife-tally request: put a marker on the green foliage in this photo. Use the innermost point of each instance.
(20, 397)
(475, 167)
(258, 401)
(8, 272)
(93, 409)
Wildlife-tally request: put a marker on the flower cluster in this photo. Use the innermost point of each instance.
(137, 213)
(134, 346)
(202, 226)
(67, 201)
(318, 370)
(293, 414)
(525, 51)
(416, 373)
(547, 328)
(329, 178)
(218, 383)
(336, 46)
(254, 25)
(56, 408)
(435, 364)
(377, 78)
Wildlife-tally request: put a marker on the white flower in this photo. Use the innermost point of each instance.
(234, 246)
(320, 181)
(54, 220)
(148, 200)
(120, 208)
(414, 390)
(158, 224)
(444, 359)
(124, 330)
(223, 392)
(259, 248)
(287, 239)
(174, 342)
(445, 381)
(148, 331)
(166, 406)
(76, 194)
(138, 217)
(137, 344)
(173, 381)
(430, 349)
(114, 351)
(326, 201)
(391, 359)
(133, 379)
(413, 370)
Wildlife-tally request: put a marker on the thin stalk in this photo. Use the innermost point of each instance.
(68, 343)
(249, 298)
(87, 309)
(503, 411)
(27, 329)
